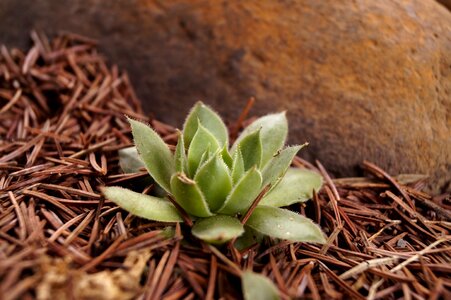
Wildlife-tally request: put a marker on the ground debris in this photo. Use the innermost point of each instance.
(62, 120)
(60, 281)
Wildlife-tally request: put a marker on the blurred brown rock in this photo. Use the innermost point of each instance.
(360, 79)
(446, 3)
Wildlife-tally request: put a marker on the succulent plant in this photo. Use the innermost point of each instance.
(216, 186)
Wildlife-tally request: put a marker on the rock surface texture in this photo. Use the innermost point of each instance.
(360, 79)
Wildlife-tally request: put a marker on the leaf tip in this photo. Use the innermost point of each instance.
(134, 123)
(322, 239)
(130, 119)
(199, 103)
(103, 189)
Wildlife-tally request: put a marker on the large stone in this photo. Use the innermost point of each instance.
(360, 79)
(446, 3)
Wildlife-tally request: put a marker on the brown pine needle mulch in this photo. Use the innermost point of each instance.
(61, 124)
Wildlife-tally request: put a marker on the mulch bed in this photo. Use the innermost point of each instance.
(61, 123)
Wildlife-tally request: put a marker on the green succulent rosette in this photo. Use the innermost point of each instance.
(216, 184)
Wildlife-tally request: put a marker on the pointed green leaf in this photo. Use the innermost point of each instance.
(214, 181)
(284, 224)
(154, 152)
(202, 141)
(129, 160)
(217, 229)
(251, 149)
(274, 130)
(238, 166)
(278, 165)
(257, 286)
(296, 186)
(226, 157)
(243, 194)
(206, 156)
(181, 162)
(188, 196)
(209, 119)
(144, 206)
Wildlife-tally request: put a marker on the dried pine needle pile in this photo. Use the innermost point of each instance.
(61, 124)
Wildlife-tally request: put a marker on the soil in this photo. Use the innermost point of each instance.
(62, 121)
